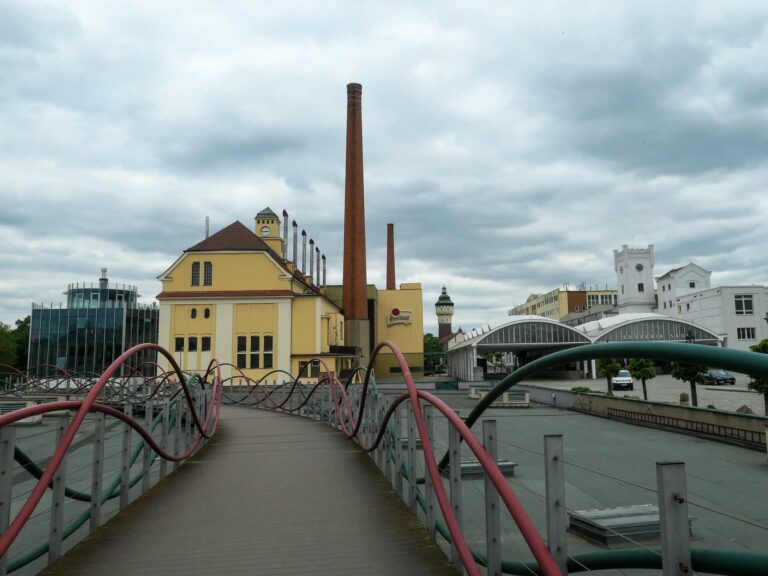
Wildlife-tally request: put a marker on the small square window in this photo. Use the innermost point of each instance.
(205, 344)
(641, 287)
(193, 343)
(179, 344)
(691, 284)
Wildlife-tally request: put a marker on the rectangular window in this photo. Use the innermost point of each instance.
(268, 352)
(640, 287)
(207, 274)
(745, 333)
(242, 351)
(691, 284)
(255, 352)
(195, 273)
(663, 287)
(314, 370)
(205, 344)
(687, 306)
(743, 304)
(193, 343)
(179, 346)
(665, 305)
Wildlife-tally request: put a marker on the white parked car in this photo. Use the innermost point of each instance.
(623, 381)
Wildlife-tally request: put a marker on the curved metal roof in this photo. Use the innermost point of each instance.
(645, 327)
(526, 332)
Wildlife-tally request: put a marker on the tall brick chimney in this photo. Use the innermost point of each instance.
(355, 300)
(391, 284)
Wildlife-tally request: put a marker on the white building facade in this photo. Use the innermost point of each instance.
(634, 279)
(680, 282)
(738, 313)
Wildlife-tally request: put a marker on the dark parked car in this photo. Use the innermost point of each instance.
(718, 377)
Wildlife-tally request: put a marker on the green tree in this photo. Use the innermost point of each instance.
(7, 345)
(608, 368)
(760, 384)
(643, 369)
(21, 338)
(691, 373)
(431, 343)
(433, 352)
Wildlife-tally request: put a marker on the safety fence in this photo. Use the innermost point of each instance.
(404, 434)
(80, 450)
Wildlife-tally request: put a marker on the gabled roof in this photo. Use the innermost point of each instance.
(236, 236)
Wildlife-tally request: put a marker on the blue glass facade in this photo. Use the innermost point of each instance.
(98, 324)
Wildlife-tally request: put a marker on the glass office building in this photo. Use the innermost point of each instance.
(100, 322)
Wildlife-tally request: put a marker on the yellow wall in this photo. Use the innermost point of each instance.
(254, 320)
(408, 337)
(184, 326)
(231, 271)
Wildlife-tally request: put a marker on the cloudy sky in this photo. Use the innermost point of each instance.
(513, 144)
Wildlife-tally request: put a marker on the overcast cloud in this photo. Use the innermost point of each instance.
(513, 144)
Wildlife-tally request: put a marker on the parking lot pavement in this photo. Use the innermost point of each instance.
(664, 388)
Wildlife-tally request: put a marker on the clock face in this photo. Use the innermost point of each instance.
(639, 267)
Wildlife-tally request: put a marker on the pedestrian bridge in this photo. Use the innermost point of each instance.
(194, 476)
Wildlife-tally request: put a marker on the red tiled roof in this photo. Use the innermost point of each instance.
(223, 293)
(236, 236)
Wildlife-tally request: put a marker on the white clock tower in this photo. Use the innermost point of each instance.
(634, 279)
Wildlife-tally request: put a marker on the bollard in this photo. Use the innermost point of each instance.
(673, 519)
(7, 445)
(57, 494)
(125, 460)
(557, 520)
(429, 489)
(454, 461)
(492, 511)
(98, 471)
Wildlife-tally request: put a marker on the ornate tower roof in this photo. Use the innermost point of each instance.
(444, 299)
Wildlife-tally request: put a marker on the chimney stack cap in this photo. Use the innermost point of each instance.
(303, 232)
(285, 213)
(295, 225)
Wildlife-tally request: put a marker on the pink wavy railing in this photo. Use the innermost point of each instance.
(206, 429)
(350, 425)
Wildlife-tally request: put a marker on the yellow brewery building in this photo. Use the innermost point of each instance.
(236, 297)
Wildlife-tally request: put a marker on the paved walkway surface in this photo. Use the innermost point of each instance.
(271, 494)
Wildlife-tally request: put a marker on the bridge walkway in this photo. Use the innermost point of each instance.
(271, 494)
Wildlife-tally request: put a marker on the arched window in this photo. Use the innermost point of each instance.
(207, 274)
(265, 231)
(207, 313)
(193, 313)
(195, 273)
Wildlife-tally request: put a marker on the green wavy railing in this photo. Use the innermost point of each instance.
(111, 491)
(725, 562)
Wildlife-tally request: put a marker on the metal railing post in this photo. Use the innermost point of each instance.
(177, 431)
(164, 421)
(557, 520)
(380, 453)
(387, 447)
(125, 460)
(412, 457)
(57, 494)
(429, 488)
(454, 461)
(492, 511)
(673, 519)
(7, 445)
(398, 479)
(146, 457)
(98, 471)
